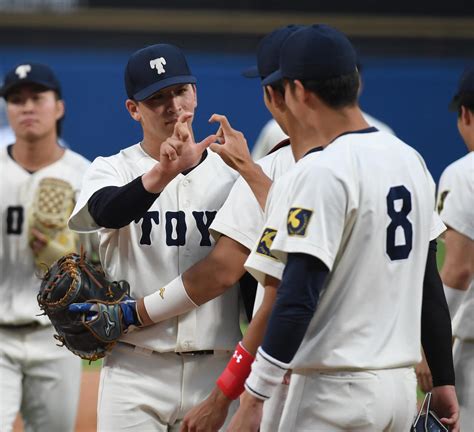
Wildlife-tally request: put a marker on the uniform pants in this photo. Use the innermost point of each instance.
(273, 409)
(38, 379)
(150, 391)
(463, 356)
(368, 401)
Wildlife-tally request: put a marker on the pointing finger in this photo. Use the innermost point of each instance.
(222, 119)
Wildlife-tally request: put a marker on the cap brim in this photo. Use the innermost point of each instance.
(160, 85)
(251, 72)
(7, 89)
(273, 78)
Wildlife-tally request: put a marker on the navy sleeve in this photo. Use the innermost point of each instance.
(436, 334)
(116, 207)
(296, 302)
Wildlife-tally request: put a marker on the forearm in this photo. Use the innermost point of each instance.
(436, 335)
(253, 337)
(116, 207)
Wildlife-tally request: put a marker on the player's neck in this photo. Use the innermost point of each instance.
(33, 155)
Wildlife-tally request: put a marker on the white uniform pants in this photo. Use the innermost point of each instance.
(463, 356)
(38, 379)
(369, 401)
(154, 391)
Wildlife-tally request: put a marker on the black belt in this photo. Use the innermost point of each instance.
(196, 353)
(31, 325)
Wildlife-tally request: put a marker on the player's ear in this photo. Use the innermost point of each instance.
(60, 109)
(467, 116)
(132, 108)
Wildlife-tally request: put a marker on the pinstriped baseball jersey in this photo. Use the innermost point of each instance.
(364, 207)
(166, 241)
(455, 198)
(19, 283)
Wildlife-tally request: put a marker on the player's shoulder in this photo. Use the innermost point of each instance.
(460, 167)
(75, 159)
(279, 161)
(218, 167)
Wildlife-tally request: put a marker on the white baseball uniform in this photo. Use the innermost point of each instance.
(272, 133)
(36, 376)
(364, 207)
(455, 198)
(148, 253)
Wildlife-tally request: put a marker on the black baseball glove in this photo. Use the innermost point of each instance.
(89, 312)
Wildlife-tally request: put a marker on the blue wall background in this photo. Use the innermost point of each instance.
(411, 95)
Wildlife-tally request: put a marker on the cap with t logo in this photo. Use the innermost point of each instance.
(154, 68)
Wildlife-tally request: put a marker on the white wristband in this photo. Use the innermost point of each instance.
(267, 373)
(454, 298)
(170, 301)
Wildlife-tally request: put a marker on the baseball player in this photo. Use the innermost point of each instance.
(38, 379)
(348, 307)
(153, 220)
(455, 195)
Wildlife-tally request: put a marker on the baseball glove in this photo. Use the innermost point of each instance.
(72, 279)
(52, 205)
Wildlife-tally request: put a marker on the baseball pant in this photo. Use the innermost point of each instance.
(149, 391)
(463, 356)
(38, 379)
(273, 409)
(368, 401)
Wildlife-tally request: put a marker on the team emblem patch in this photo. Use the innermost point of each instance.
(442, 197)
(266, 241)
(158, 64)
(298, 220)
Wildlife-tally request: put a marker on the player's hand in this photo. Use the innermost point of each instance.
(38, 241)
(423, 374)
(179, 152)
(249, 415)
(444, 403)
(209, 415)
(232, 147)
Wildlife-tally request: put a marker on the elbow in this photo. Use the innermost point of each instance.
(460, 278)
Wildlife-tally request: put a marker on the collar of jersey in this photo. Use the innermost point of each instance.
(204, 156)
(360, 131)
(313, 150)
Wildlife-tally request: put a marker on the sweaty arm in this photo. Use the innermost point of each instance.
(116, 207)
(436, 335)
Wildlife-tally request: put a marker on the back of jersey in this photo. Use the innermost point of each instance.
(364, 207)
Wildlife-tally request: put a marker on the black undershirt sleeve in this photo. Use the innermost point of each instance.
(436, 334)
(296, 302)
(116, 207)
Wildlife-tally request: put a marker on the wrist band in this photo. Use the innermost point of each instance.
(169, 301)
(231, 381)
(454, 298)
(267, 373)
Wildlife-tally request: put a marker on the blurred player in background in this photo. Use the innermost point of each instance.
(38, 379)
(271, 134)
(455, 204)
(353, 354)
(153, 216)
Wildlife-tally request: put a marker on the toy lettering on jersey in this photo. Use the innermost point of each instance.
(176, 227)
(15, 219)
(298, 220)
(265, 242)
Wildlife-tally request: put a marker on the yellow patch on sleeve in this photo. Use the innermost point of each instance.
(298, 221)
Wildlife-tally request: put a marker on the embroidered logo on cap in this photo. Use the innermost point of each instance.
(158, 64)
(23, 70)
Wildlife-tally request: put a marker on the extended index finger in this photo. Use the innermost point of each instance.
(222, 119)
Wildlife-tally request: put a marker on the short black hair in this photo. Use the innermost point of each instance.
(338, 92)
(465, 99)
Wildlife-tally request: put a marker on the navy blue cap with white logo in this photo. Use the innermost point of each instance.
(154, 68)
(466, 85)
(268, 52)
(316, 52)
(30, 73)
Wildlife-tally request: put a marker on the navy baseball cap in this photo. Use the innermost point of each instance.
(466, 85)
(316, 52)
(268, 52)
(30, 73)
(154, 68)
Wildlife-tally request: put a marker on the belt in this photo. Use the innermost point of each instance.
(31, 325)
(195, 353)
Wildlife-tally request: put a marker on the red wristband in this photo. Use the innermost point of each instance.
(232, 380)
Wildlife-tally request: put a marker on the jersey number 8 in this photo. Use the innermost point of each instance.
(399, 219)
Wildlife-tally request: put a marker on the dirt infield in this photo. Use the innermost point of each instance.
(86, 416)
